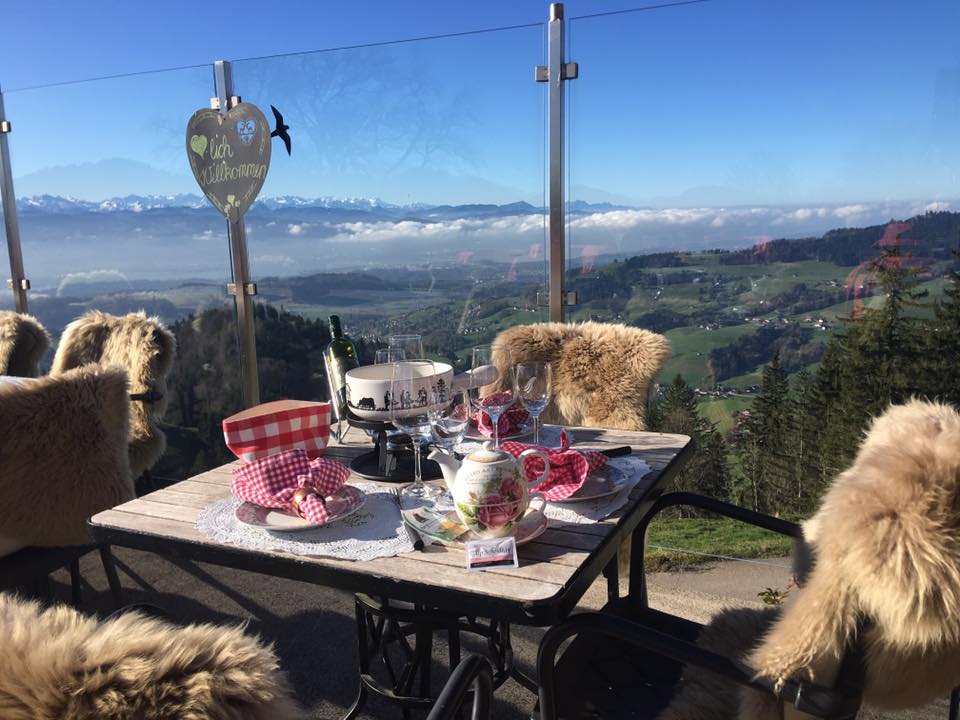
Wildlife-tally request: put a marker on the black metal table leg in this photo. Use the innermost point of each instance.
(383, 630)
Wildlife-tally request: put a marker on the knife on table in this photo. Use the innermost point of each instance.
(616, 451)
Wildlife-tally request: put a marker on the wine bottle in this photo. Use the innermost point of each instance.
(339, 357)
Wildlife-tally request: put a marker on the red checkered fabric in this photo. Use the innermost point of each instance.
(509, 423)
(568, 468)
(271, 481)
(307, 428)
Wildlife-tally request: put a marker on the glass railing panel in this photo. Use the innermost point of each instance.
(111, 219)
(759, 182)
(412, 201)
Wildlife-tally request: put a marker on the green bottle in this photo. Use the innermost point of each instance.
(339, 357)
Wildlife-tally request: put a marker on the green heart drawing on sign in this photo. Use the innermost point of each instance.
(229, 156)
(198, 143)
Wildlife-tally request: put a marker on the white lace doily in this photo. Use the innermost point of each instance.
(375, 530)
(591, 511)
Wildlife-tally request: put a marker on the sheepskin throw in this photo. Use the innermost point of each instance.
(59, 665)
(23, 341)
(63, 454)
(886, 548)
(146, 349)
(602, 373)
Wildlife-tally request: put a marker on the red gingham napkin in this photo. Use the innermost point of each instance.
(568, 468)
(509, 422)
(277, 426)
(271, 481)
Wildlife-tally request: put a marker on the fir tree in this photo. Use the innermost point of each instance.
(944, 350)
(764, 458)
(677, 412)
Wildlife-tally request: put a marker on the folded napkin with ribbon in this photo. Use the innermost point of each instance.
(291, 481)
(510, 422)
(568, 468)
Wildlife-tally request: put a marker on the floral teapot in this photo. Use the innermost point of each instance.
(490, 490)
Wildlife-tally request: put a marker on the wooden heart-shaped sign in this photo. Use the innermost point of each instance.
(229, 155)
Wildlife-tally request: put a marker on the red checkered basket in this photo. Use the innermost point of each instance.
(277, 426)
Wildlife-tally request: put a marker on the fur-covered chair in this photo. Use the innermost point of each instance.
(23, 341)
(63, 457)
(602, 372)
(62, 454)
(877, 616)
(57, 664)
(146, 349)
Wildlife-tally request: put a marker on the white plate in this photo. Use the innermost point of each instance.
(606, 481)
(474, 434)
(346, 501)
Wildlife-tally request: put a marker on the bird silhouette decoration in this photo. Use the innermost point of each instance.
(281, 131)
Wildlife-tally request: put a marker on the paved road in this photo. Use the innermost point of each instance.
(313, 628)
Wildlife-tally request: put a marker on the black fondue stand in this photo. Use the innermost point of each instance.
(391, 460)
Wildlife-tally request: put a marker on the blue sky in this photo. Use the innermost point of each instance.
(731, 102)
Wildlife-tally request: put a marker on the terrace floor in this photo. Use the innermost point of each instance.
(313, 627)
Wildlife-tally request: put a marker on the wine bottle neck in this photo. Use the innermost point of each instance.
(335, 330)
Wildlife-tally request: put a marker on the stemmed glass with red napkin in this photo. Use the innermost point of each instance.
(291, 481)
(568, 468)
(509, 423)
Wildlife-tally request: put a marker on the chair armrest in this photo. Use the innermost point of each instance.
(150, 396)
(767, 522)
(806, 697)
(473, 673)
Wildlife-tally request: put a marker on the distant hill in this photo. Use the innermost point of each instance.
(931, 235)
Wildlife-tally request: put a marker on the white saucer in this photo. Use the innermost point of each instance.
(532, 526)
(346, 501)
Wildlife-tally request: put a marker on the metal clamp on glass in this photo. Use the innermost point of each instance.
(23, 284)
(5, 126)
(248, 288)
(234, 101)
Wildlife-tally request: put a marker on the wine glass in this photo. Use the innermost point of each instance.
(484, 372)
(388, 355)
(409, 413)
(448, 423)
(449, 419)
(410, 345)
(534, 383)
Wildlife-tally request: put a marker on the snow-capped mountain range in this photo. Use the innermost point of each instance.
(139, 203)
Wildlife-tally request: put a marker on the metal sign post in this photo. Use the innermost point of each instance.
(242, 289)
(17, 282)
(555, 74)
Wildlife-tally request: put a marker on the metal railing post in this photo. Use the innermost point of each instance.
(242, 289)
(555, 74)
(17, 282)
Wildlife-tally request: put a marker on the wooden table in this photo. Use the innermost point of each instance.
(555, 569)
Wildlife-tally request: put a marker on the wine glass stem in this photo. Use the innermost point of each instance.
(536, 429)
(417, 478)
(496, 430)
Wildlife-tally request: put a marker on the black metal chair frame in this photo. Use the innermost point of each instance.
(30, 569)
(840, 702)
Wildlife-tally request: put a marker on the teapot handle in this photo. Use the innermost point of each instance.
(546, 465)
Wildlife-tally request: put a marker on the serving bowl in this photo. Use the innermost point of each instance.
(368, 390)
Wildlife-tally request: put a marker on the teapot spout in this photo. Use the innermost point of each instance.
(448, 466)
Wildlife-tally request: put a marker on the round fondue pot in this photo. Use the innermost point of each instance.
(368, 390)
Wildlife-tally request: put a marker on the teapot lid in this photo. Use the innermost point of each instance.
(488, 454)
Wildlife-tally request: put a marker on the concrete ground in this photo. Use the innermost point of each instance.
(313, 627)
